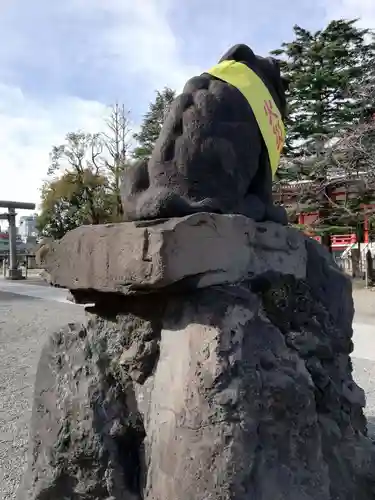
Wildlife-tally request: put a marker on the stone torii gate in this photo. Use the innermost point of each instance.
(14, 272)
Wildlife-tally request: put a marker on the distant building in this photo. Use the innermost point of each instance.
(4, 244)
(27, 228)
(341, 189)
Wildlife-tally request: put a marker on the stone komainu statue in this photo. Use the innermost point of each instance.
(215, 358)
(219, 146)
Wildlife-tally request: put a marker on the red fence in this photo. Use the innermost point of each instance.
(343, 240)
(339, 241)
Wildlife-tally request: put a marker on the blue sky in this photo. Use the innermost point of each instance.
(62, 63)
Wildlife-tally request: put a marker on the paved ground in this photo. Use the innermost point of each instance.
(28, 312)
(24, 325)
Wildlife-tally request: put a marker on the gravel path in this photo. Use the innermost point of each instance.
(25, 323)
(364, 301)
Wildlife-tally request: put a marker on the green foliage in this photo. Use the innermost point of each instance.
(330, 140)
(321, 230)
(77, 192)
(72, 200)
(323, 68)
(152, 123)
(85, 171)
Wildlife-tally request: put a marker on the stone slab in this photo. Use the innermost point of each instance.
(196, 251)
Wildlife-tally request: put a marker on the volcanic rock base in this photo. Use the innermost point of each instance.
(234, 391)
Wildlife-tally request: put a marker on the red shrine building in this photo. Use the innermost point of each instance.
(288, 196)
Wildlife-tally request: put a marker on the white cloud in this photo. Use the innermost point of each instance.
(28, 130)
(141, 40)
(352, 9)
(137, 39)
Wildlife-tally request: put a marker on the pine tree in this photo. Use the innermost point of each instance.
(365, 91)
(327, 69)
(322, 68)
(152, 123)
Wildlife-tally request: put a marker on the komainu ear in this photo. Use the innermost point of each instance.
(278, 67)
(239, 53)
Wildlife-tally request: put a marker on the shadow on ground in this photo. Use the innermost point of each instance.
(15, 297)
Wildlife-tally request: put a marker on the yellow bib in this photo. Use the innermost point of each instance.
(261, 102)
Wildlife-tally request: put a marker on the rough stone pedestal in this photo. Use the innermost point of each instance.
(214, 365)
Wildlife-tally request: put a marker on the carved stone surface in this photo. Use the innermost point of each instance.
(192, 252)
(210, 155)
(230, 391)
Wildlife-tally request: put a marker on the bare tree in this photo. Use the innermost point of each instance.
(76, 166)
(117, 141)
